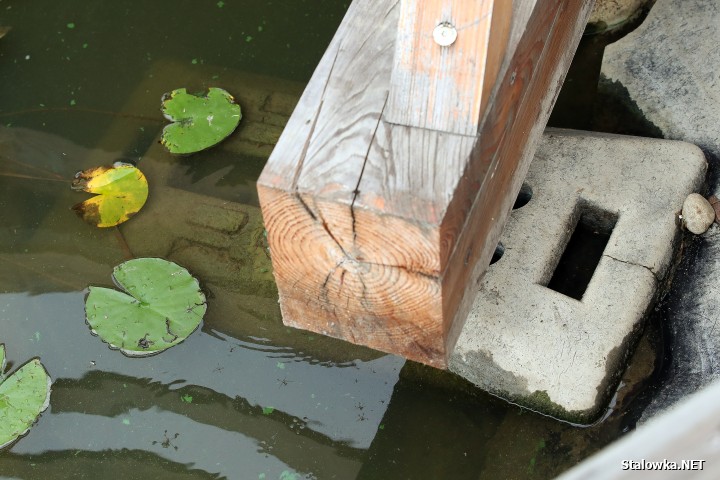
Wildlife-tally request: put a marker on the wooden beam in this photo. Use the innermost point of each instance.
(446, 88)
(379, 231)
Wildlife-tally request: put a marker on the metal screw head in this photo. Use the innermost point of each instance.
(445, 34)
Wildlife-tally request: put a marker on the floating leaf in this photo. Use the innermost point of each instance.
(200, 121)
(24, 395)
(122, 190)
(163, 304)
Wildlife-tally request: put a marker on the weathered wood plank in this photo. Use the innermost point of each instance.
(412, 173)
(282, 171)
(507, 143)
(445, 88)
(325, 290)
(350, 279)
(470, 185)
(351, 108)
(348, 118)
(377, 229)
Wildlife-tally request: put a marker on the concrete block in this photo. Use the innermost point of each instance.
(548, 351)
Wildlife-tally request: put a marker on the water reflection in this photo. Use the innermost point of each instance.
(323, 393)
(250, 394)
(125, 463)
(244, 396)
(192, 423)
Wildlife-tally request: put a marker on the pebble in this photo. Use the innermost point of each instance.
(615, 12)
(697, 213)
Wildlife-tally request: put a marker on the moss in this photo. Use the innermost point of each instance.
(421, 374)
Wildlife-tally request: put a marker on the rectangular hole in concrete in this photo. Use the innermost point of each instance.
(583, 252)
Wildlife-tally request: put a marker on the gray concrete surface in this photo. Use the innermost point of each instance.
(670, 67)
(545, 350)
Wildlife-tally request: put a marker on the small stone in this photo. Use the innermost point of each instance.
(613, 13)
(697, 213)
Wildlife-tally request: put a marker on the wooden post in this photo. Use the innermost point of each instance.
(446, 87)
(380, 220)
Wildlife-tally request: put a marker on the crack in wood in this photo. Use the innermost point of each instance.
(390, 10)
(327, 279)
(306, 146)
(356, 191)
(327, 229)
(342, 278)
(363, 297)
(306, 207)
(408, 270)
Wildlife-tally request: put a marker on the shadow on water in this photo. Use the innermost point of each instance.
(244, 397)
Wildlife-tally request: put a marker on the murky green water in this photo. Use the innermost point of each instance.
(245, 397)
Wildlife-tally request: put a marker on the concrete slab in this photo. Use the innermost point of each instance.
(545, 350)
(670, 66)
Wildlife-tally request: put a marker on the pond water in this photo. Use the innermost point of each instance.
(244, 397)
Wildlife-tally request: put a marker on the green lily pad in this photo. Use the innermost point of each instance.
(121, 192)
(200, 121)
(24, 395)
(162, 305)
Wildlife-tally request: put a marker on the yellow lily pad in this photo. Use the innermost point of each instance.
(121, 192)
